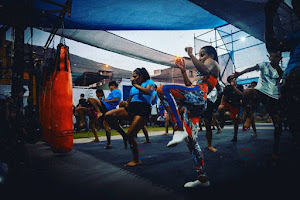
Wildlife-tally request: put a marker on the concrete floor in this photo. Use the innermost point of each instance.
(89, 170)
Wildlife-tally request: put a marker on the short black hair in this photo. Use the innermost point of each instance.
(113, 83)
(82, 95)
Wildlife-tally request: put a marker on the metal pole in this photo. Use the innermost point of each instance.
(18, 70)
(216, 39)
(232, 57)
(195, 44)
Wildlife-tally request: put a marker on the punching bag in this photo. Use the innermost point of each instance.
(61, 123)
(47, 110)
(45, 101)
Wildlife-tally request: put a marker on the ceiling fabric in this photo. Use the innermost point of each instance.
(114, 43)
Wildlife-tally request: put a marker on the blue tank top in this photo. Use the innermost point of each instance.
(138, 96)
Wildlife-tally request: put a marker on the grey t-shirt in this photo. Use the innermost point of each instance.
(268, 81)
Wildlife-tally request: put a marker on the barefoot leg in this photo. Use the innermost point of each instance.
(94, 131)
(96, 103)
(209, 135)
(108, 134)
(145, 131)
(137, 124)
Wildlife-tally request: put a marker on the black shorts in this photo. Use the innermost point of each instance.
(103, 108)
(272, 105)
(210, 109)
(139, 108)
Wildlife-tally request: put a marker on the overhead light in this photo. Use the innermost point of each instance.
(243, 39)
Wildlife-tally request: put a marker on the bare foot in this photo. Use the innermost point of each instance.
(107, 146)
(165, 133)
(145, 142)
(99, 114)
(254, 134)
(133, 163)
(212, 149)
(247, 124)
(219, 131)
(96, 140)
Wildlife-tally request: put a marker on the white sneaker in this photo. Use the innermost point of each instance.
(196, 183)
(178, 137)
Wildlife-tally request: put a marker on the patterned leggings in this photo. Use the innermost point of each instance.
(193, 102)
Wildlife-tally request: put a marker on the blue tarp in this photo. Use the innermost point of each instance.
(135, 15)
(246, 80)
(247, 15)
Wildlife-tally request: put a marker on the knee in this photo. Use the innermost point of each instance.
(247, 92)
(106, 128)
(123, 104)
(221, 108)
(131, 138)
(208, 120)
(89, 100)
(208, 124)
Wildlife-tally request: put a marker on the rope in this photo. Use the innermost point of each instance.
(62, 38)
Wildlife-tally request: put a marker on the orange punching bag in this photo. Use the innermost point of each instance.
(45, 99)
(61, 122)
(45, 103)
(46, 111)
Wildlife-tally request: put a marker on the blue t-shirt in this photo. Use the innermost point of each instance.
(138, 96)
(115, 93)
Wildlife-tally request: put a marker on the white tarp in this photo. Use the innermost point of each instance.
(111, 42)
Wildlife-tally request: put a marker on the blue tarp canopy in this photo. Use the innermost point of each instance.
(247, 15)
(105, 15)
(135, 15)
